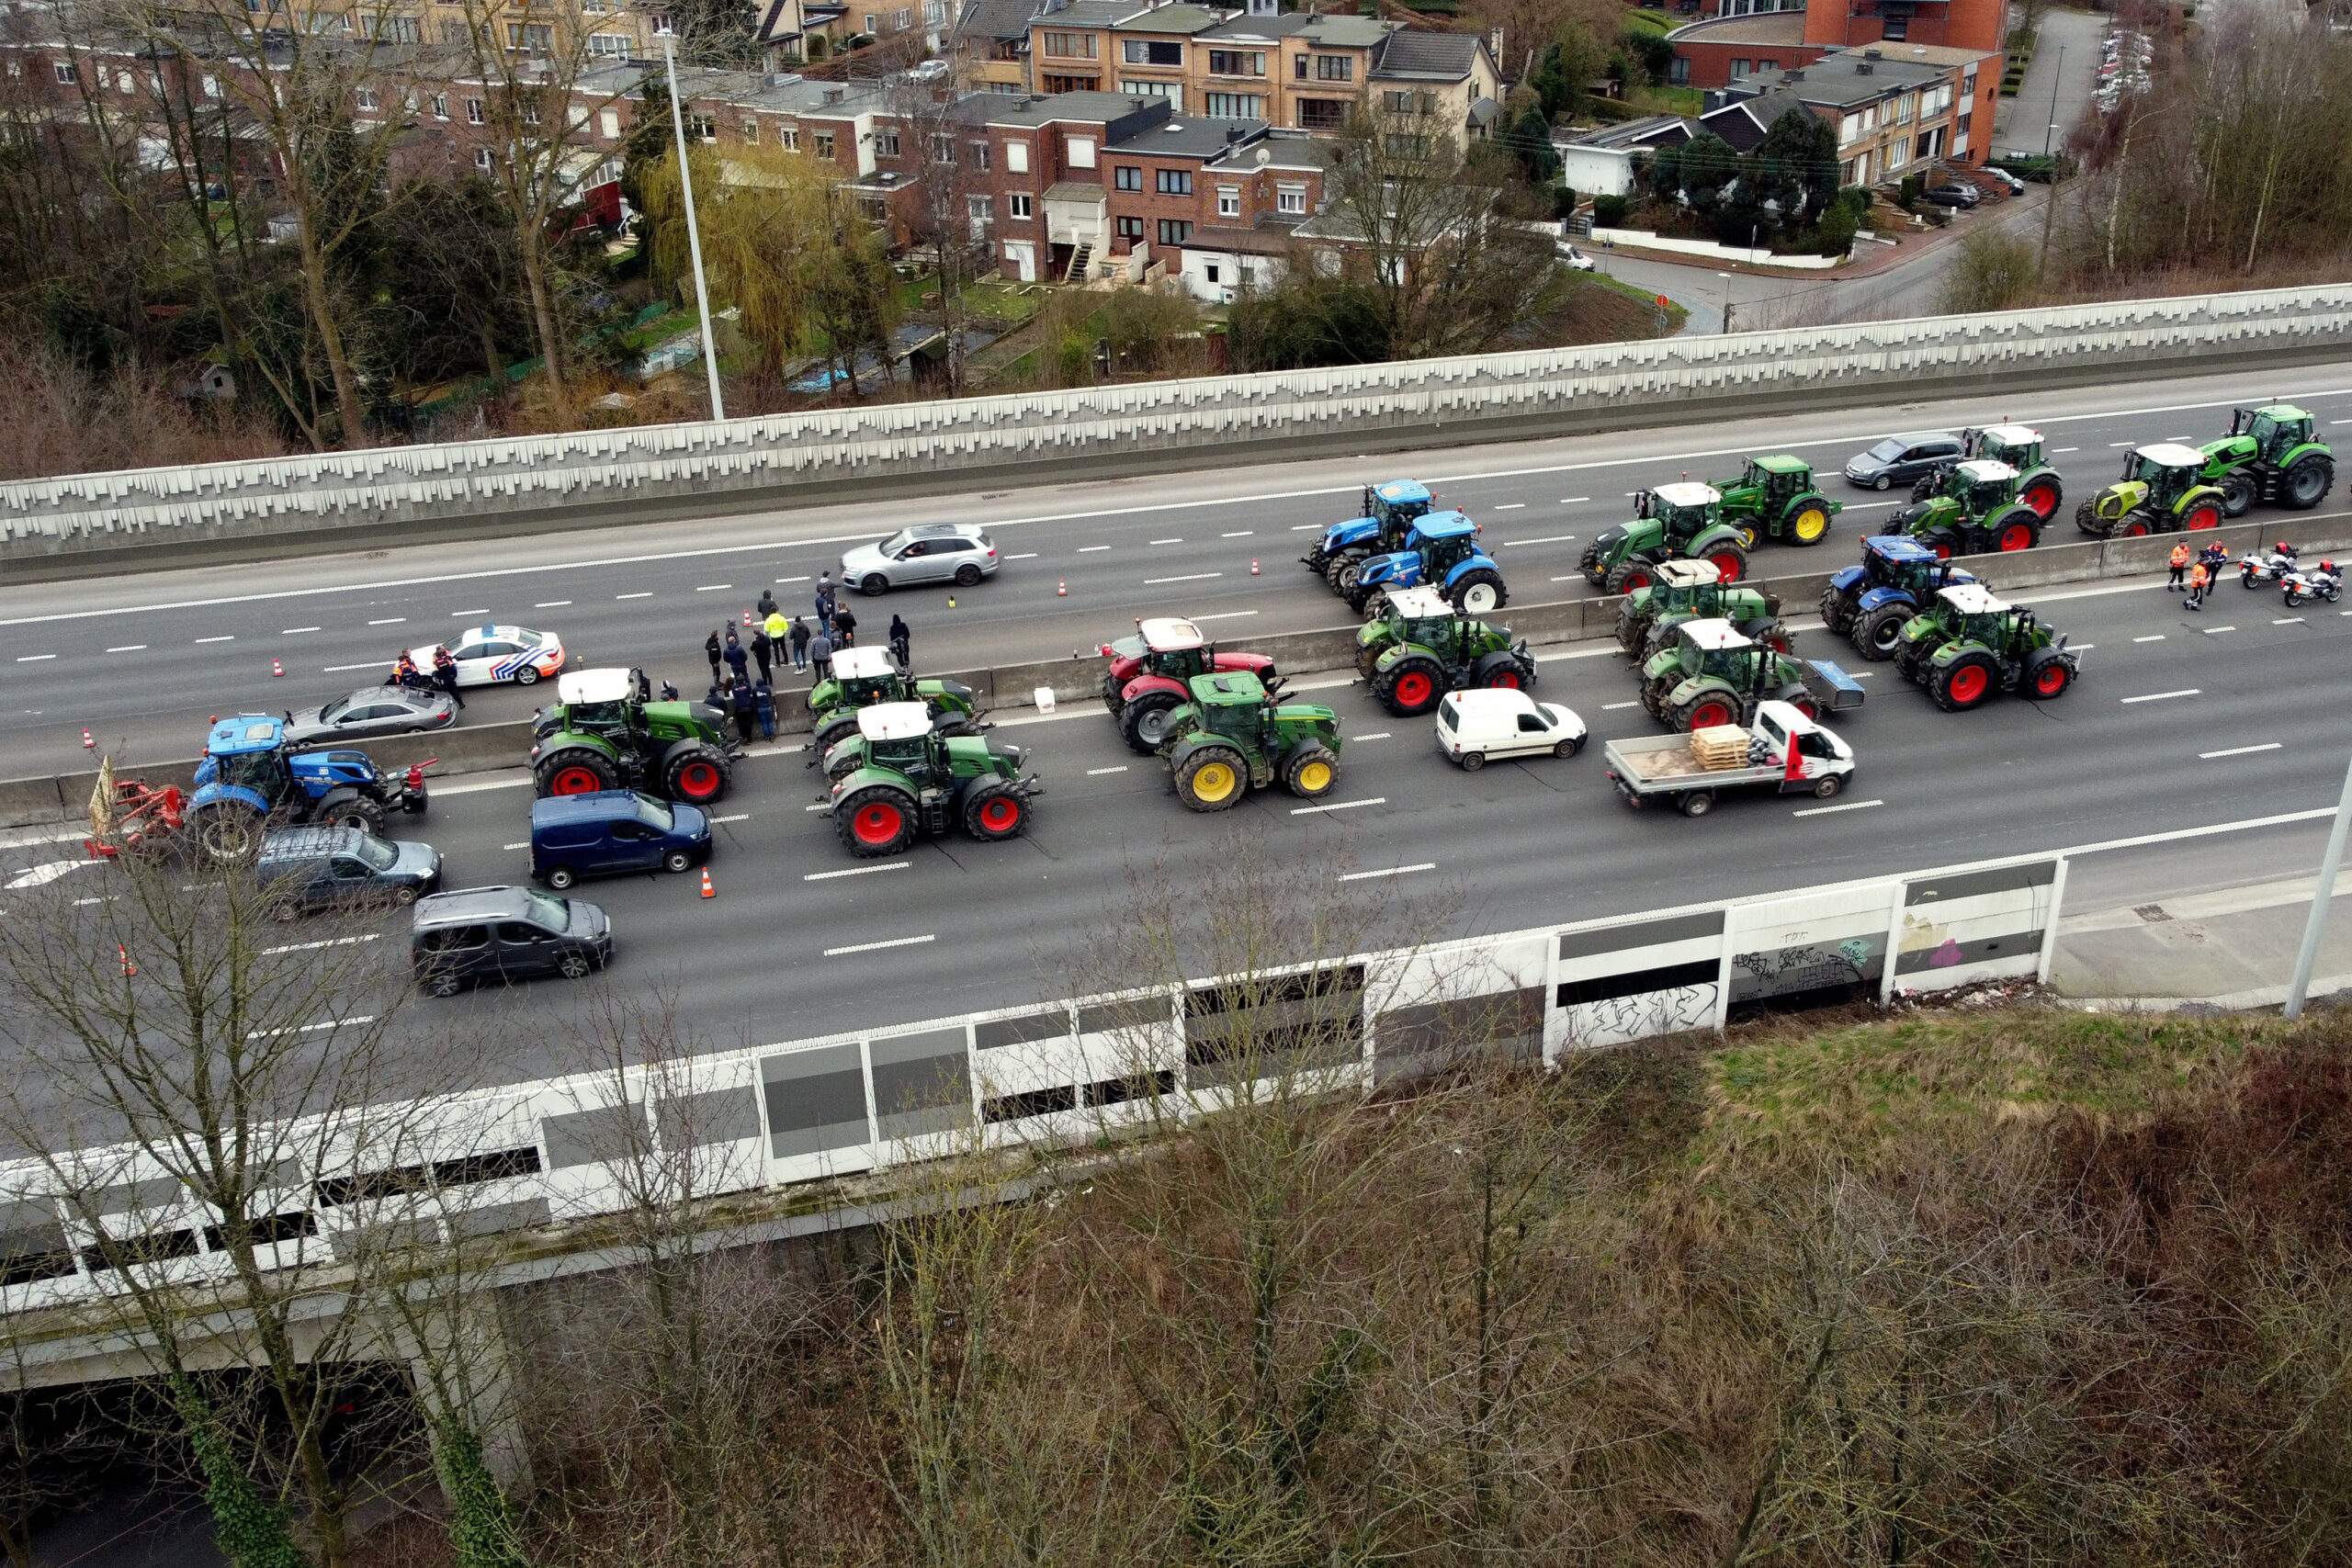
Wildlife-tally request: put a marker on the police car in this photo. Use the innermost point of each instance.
(488, 654)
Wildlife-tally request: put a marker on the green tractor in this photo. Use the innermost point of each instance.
(862, 677)
(1775, 498)
(1694, 591)
(1712, 675)
(1420, 648)
(1972, 646)
(2269, 455)
(2020, 447)
(1676, 521)
(911, 779)
(602, 734)
(1232, 737)
(2163, 491)
(1977, 510)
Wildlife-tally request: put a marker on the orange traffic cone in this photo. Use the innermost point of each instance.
(708, 890)
(275, 667)
(1061, 588)
(128, 968)
(747, 619)
(1253, 566)
(88, 744)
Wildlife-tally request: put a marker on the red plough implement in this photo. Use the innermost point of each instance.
(129, 815)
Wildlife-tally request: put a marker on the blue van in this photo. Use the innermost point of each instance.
(611, 832)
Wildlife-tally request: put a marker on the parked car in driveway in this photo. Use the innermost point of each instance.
(369, 711)
(960, 553)
(1953, 194)
(1899, 459)
(1572, 258)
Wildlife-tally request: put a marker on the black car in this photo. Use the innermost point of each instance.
(1899, 459)
(323, 868)
(504, 933)
(371, 711)
(1953, 195)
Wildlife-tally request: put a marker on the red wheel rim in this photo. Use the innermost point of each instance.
(1967, 683)
(1638, 579)
(575, 781)
(2017, 537)
(1727, 566)
(1413, 689)
(699, 780)
(2053, 680)
(1506, 679)
(1943, 550)
(2042, 499)
(1000, 814)
(876, 823)
(1804, 706)
(2205, 517)
(1707, 714)
(2135, 530)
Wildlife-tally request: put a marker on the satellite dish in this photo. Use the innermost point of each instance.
(1263, 155)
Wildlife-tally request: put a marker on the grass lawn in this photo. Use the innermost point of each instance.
(1650, 21)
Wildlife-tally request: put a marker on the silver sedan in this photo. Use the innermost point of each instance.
(369, 713)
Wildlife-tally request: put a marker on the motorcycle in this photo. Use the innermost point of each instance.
(2323, 583)
(2256, 570)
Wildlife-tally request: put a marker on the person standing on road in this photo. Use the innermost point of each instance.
(735, 658)
(2179, 581)
(2198, 577)
(825, 599)
(747, 710)
(799, 644)
(2216, 557)
(820, 655)
(763, 700)
(445, 675)
(763, 652)
(777, 627)
(766, 606)
(710, 647)
(901, 644)
(844, 628)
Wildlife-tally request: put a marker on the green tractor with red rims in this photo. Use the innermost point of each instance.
(906, 779)
(600, 734)
(1420, 648)
(1976, 510)
(1970, 647)
(1147, 679)
(1712, 675)
(1682, 521)
(1694, 591)
(2020, 447)
(2163, 491)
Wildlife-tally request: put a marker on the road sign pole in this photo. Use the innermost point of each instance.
(693, 234)
(2308, 958)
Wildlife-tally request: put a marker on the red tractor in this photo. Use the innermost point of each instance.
(1147, 679)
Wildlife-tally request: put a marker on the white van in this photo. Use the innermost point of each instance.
(1500, 721)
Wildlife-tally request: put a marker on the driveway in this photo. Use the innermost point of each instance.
(2057, 87)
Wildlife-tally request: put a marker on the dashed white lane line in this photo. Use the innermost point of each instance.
(525, 844)
(550, 604)
(1574, 500)
(820, 806)
(1027, 555)
(1376, 735)
(2158, 637)
(378, 664)
(1094, 772)
(2161, 696)
(231, 637)
(2217, 631)
(33, 657)
(1090, 549)
(2061, 451)
(297, 631)
(1612, 707)
(714, 587)
(1303, 527)
(1509, 506)
(856, 870)
(389, 620)
(877, 946)
(129, 647)
(2241, 751)
(1546, 539)
(466, 615)
(1239, 533)
(2287, 621)
(1842, 806)
(1338, 805)
(1168, 541)
(2119, 444)
(313, 1028)
(1190, 577)
(46, 872)
(782, 581)
(1392, 871)
(314, 946)
(739, 816)
(1226, 615)
(646, 594)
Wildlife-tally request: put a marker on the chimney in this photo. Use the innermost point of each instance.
(1797, 75)
(1873, 54)
(1495, 44)
(1863, 69)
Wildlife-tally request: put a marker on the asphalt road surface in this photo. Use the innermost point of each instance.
(143, 660)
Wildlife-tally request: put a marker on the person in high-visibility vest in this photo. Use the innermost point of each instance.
(2180, 559)
(2198, 577)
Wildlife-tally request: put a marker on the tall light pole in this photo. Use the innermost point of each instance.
(2054, 82)
(2308, 957)
(1726, 277)
(693, 234)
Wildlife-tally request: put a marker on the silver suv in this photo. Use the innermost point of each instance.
(960, 553)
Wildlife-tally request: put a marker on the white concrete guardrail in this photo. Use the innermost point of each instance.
(790, 1119)
(73, 523)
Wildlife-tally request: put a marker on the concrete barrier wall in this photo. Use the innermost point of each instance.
(75, 523)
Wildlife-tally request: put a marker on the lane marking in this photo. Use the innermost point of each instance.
(2287, 621)
(2175, 835)
(1612, 707)
(550, 604)
(466, 615)
(46, 872)
(2217, 631)
(856, 870)
(1392, 871)
(2240, 750)
(379, 664)
(34, 657)
(782, 581)
(821, 807)
(1376, 735)
(1226, 615)
(1574, 500)
(714, 587)
(231, 637)
(312, 1028)
(2157, 638)
(739, 816)
(1031, 554)
(2122, 444)
(1547, 539)
(1168, 541)
(525, 844)
(1303, 527)
(2061, 451)
(877, 946)
(1342, 806)
(1191, 577)
(314, 946)
(1509, 506)
(2160, 696)
(128, 647)
(1843, 806)
(1090, 549)
(297, 631)
(648, 594)
(1096, 772)
(1239, 533)
(389, 620)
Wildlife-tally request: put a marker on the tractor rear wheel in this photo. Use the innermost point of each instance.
(1143, 723)
(696, 773)
(2199, 515)
(349, 808)
(1409, 687)
(1653, 694)
(1311, 770)
(877, 820)
(1731, 561)
(1633, 632)
(1371, 605)
(1797, 697)
(1965, 683)
(227, 831)
(1212, 779)
(1502, 669)
(992, 811)
(1879, 635)
(2047, 676)
(1480, 593)
(2308, 482)
(575, 770)
(2015, 528)
(1769, 630)
(2043, 493)
(1705, 711)
(1944, 541)
(2239, 493)
(1111, 698)
(833, 731)
(1628, 575)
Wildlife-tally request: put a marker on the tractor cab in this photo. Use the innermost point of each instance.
(599, 701)
(2018, 445)
(1981, 485)
(867, 676)
(1897, 560)
(1233, 705)
(1423, 616)
(1167, 645)
(1713, 648)
(247, 752)
(1443, 540)
(1681, 509)
(1397, 505)
(2274, 430)
(1779, 479)
(897, 736)
(1680, 584)
(2167, 469)
(1971, 610)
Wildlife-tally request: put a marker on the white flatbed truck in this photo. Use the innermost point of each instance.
(1789, 755)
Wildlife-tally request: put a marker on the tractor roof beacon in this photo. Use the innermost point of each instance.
(1233, 738)
(907, 778)
(599, 735)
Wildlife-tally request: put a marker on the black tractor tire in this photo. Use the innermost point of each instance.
(349, 808)
(1311, 770)
(2239, 493)
(1143, 724)
(2047, 677)
(1969, 681)
(1633, 633)
(1653, 694)
(2139, 521)
(1341, 574)
(2306, 484)
(1686, 718)
(1925, 485)
(1503, 668)
(227, 832)
(833, 731)
(1836, 613)
(949, 726)
(1911, 658)
(1201, 758)
(1315, 560)
(1112, 701)
(1797, 697)
(1369, 602)
(559, 772)
(1411, 686)
(1629, 574)
(1879, 635)
(696, 773)
(1769, 630)
(840, 768)
(2087, 518)
(1368, 655)
(1589, 563)
(876, 821)
(993, 810)
(2013, 527)
(1480, 593)
(1945, 541)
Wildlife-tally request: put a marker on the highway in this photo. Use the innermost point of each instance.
(142, 660)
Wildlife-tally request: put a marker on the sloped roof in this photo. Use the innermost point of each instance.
(996, 18)
(1443, 57)
(1744, 122)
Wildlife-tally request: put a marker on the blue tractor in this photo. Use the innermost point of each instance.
(1389, 512)
(1440, 551)
(249, 782)
(1899, 577)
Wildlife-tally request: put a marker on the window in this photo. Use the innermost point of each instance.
(1901, 113)
(1080, 150)
(1173, 91)
(66, 72)
(982, 209)
(615, 44)
(608, 122)
(751, 133)
(1290, 199)
(1072, 46)
(1130, 228)
(481, 159)
(1209, 272)
(1174, 181)
(365, 98)
(1072, 84)
(1322, 114)
(530, 114)
(789, 138)
(1330, 68)
(1764, 65)
(1896, 27)
(1740, 68)
(1127, 178)
(454, 33)
(1231, 106)
(400, 30)
(1405, 144)
(1228, 201)
(701, 127)
(212, 90)
(592, 7)
(1849, 130)
(979, 155)
(1174, 231)
(1152, 51)
(473, 111)
(826, 143)
(1897, 155)
(1678, 73)
(530, 37)
(872, 23)
(903, 20)
(1016, 157)
(1017, 205)
(943, 146)
(1409, 102)
(1237, 62)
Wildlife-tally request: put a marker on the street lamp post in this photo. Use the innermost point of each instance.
(1726, 277)
(2308, 957)
(693, 234)
(2057, 78)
